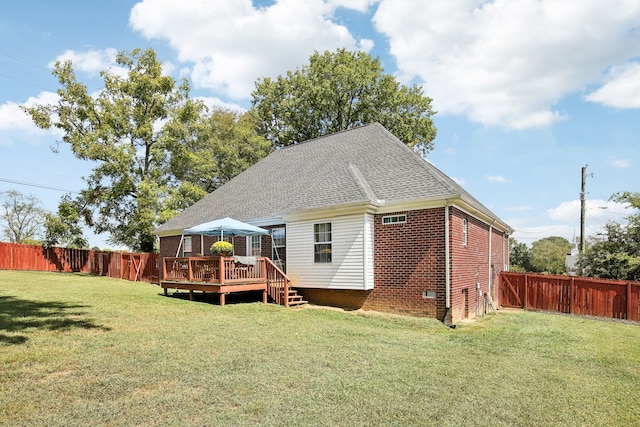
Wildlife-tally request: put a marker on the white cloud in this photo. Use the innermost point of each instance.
(600, 211)
(92, 61)
(231, 43)
(213, 102)
(531, 234)
(12, 118)
(622, 89)
(621, 163)
(496, 178)
(16, 126)
(459, 181)
(506, 63)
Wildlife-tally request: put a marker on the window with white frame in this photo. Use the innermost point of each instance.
(394, 219)
(322, 245)
(254, 246)
(465, 231)
(278, 250)
(186, 246)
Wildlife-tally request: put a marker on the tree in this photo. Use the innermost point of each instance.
(549, 254)
(519, 256)
(65, 228)
(209, 150)
(22, 216)
(117, 129)
(339, 91)
(616, 253)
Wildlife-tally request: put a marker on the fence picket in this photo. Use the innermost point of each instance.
(14, 256)
(615, 299)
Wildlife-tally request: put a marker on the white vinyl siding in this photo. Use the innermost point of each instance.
(351, 264)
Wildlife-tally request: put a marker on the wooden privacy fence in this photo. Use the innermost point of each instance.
(122, 265)
(586, 296)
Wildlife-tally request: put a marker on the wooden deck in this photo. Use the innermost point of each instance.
(225, 275)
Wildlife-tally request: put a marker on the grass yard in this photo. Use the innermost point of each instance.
(80, 350)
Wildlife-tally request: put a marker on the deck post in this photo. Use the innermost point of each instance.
(221, 298)
(222, 273)
(264, 296)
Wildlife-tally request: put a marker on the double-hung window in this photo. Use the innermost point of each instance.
(254, 247)
(322, 245)
(187, 246)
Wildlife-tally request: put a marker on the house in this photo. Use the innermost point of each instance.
(358, 220)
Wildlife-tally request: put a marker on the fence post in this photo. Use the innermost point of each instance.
(571, 293)
(628, 301)
(526, 290)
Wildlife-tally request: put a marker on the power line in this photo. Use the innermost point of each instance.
(30, 184)
(23, 60)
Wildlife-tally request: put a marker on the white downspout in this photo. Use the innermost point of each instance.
(447, 260)
(489, 276)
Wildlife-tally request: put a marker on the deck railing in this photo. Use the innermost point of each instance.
(225, 270)
(278, 283)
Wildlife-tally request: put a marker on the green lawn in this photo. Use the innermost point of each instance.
(80, 350)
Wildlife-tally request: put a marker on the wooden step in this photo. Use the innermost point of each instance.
(294, 298)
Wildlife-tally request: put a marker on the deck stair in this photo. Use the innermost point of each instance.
(294, 298)
(223, 275)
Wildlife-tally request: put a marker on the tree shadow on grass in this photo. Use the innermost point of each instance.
(19, 317)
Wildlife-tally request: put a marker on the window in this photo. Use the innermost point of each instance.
(322, 242)
(186, 246)
(278, 250)
(254, 246)
(465, 231)
(394, 219)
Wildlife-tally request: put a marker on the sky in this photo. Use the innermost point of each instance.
(527, 92)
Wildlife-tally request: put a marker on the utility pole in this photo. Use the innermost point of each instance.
(582, 209)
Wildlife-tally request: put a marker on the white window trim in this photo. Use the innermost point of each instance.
(187, 243)
(329, 242)
(250, 241)
(399, 219)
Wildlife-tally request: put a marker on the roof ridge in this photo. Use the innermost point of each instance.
(426, 165)
(362, 182)
(328, 135)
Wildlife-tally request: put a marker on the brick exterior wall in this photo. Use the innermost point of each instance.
(409, 260)
(409, 263)
(470, 264)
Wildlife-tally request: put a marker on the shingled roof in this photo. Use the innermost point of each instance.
(365, 164)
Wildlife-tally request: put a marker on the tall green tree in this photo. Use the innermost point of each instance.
(338, 91)
(209, 150)
(548, 255)
(65, 227)
(615, 254)
(118, 130)
(519, 256)
(22, 216)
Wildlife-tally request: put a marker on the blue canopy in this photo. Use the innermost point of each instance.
(226, 227)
